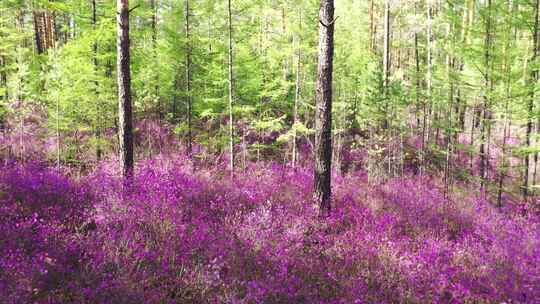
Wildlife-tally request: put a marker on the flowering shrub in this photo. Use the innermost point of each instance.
(180, 235)
(41, 212)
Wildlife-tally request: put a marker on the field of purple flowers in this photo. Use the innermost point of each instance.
(191, 235)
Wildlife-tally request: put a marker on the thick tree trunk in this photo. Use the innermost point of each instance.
(50, 33)
(38, 32)
(44, 30)
(125, 124)
(323, 109)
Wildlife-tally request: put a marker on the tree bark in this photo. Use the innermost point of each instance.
(450, 65)
(297, 90)
(425, 131)
(38, 32)
(484, 156)
(371, 26)
(3, 78)
(507, 122)
(323, 109)
(153, 25)
(231, 91)
(188, 80)
(386, 60)
(96, 84)
(49, 30)
(417, 77)
(530, 105)
(125, 124)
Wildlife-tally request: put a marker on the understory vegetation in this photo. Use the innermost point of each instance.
(185, 233)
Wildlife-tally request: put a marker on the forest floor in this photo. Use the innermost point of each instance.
(185, 233)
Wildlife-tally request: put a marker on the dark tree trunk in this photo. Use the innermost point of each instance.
(37, 32)
(323, 110)
(4, 85)
(125, 132)
(3, 77)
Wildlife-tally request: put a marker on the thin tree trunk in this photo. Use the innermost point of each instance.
(417, 78)
(72, 27)
(96, 84)
(386, 60)
(323, 109)
(536, 154)
(175, 99)
(507, 125)
(153, 26)
(450, 61)
(371, 26)
(188, 80)
(58, 150)
(297, 90)
(231, 91)
(125, 124)
(3, 83)
(530, 106)
(264, 98)
(471, 140)
(484, 133)
(425, 131)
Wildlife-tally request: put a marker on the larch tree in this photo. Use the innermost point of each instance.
(125, 123)
(153, 24)
(231, 91)
(96, 84)
(323, 108)
(533, 79)
(188, 80)
(486, 113)
(297, 90)
(386, 61)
